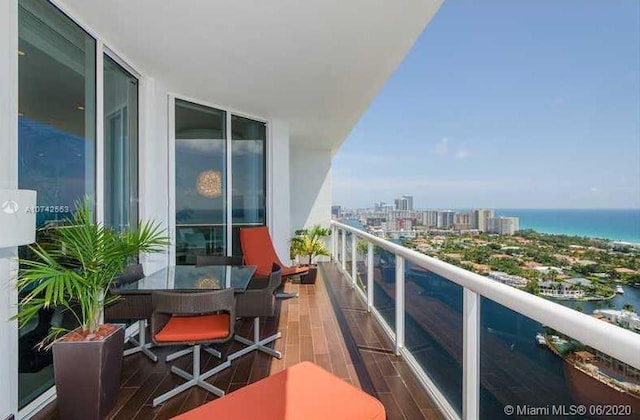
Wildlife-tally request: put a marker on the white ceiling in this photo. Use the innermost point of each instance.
(314, 63)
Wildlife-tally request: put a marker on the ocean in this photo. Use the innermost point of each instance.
(617, 225)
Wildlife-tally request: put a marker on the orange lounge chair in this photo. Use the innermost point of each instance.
(304, 391)
(258, 250)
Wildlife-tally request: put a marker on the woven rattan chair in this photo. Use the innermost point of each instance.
(193, 319)
(258, 301)
(132, 274)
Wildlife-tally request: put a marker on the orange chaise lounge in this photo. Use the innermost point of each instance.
(302, 392)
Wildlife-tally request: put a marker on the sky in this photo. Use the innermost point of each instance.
(506, 104)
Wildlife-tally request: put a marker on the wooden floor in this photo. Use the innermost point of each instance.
(328, 325)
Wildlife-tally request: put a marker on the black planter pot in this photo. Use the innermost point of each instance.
(87, 375)
(310, 277)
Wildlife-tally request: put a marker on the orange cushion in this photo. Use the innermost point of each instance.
(302, 392)
(294, 271)
(194, 328)
(257, 249)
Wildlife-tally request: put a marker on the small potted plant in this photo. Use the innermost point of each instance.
(72, 274)
(309, 243)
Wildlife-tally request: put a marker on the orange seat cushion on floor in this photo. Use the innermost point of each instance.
(194, 328)
(302, 392)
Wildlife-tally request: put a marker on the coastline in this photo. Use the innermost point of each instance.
(616, 225)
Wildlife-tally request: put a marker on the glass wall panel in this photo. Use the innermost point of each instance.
(56, 148)
(120, 146)
(433, 329)
(384, 280)
(248, 157)
(348, 256)
(521, 364)
(200, 181)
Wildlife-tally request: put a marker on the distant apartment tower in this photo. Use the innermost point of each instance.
(404, 203)
(463, 221)
(429, 218)
(480, 219)
(446, 219)
(503, 225)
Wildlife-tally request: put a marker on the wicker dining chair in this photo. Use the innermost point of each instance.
(194, 319)
(258, 301)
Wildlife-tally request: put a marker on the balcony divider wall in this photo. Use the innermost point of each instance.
(471, 340)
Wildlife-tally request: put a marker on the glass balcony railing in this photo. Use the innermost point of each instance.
(486, 350)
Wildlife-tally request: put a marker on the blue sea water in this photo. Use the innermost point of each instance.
(614, 224)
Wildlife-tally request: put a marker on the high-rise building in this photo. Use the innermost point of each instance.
(404, 203)
(336, 211)
(430, 218)
(445, 219)
(480, 218)
(503, 225)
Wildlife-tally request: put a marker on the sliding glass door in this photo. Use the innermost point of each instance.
(220, 180)
(248, 157)
(120, 146)
(200, 179)
(56, 149)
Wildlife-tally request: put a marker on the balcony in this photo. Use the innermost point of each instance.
(328, 325)
(454, 345)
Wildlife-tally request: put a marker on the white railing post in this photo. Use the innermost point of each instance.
(399, 303)
(354, 259)
(471, 355)
(369, 276)
(334, 249)
(343, 246)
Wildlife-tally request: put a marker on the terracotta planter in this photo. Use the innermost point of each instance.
(87, 375)
(310, 277)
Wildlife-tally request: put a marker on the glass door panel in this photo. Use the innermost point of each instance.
(56, 151)
(200, 165)
(120, 146)
(248, 158)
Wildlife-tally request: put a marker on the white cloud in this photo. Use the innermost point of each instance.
(442, 148)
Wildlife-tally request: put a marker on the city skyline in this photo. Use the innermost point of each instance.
(495, 110)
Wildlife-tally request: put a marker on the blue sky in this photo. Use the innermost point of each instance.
(506, 104)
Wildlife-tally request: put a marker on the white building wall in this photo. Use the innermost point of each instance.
(153, 161)
(310, 187)
(9, 180)
(278, 188)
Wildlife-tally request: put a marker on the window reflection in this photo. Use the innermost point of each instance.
(200, 180)
(56, 148)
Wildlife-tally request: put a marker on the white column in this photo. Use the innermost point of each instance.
(471, 355)
(369, 276)
(399, 303)
(9, 180)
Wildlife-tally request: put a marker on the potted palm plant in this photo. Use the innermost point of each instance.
(72, 274)
(309, 243)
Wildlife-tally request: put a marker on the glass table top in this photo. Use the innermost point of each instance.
(189, 277)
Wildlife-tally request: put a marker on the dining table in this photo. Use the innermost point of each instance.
(135, 298)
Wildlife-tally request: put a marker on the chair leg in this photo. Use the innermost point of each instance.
(256, 344)
(193, 379)
(174, 356)
(141, 345)
(213, 352)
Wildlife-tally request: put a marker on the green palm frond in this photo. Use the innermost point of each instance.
(79, 266)
(309, 243)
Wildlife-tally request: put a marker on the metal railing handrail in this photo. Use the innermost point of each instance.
(615, 341)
